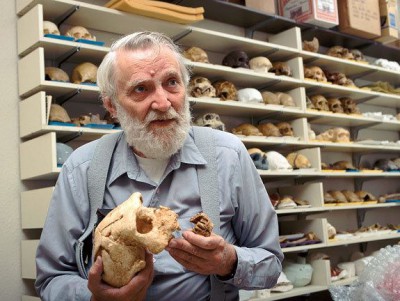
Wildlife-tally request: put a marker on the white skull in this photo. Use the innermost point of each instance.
(50, 28)
(249, 95)
(201, 87)
(84, 73)
(196, 54)
(123, 236)
(211, 120)
(80, 32)
(341, 135)
(56, 74)
(260, 64)
(276, 161)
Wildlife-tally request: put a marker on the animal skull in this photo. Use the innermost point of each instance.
(270, 130)
(50, 28)
(236, 59)
(281, 68)
(349, 106)
(340, 52)
(260, 64)
(122, 237)
(297, 160)
(335, 105)
(259, 158)
(357, 55)
(211, 120)
(58, 113)
(285, 129)
(341, 135)
(56, 74)
(84, 73)
(249, 95)
(80, 32)
(196, 54)
(315, 73)
(225, 90)
(312, 45)
(320, 102)
(201, 87)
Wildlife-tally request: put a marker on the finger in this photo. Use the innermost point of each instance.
(95, 272)
(208, 243)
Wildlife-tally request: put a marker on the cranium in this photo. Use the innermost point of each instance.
(249, 95)
(285, 129)
(80, 32)
(50, 28)
(335, 105)
(340, 52)
(122, 237)
(339, 78)
(342, 165)
(246, 129)
(341, 135)
(325, 136)
(196, 54)
(201, 87)
(56, 74)
(84, 73)
(270, 98)
(236, 59)
(315, 73)
(276, 161)
(320, 102)
(349, 106)
(259, 158)
(281, 68)
(270, 130)
(285, 99)
(58, 113)
(211, 120)
(260, 64)
(225, 90)
(298, 160)
(312, 45)
(357, 55)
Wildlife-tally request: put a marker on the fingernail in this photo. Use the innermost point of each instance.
(172, 244)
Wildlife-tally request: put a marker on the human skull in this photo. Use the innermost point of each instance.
(276, 161)
(123, 236)
(269, 130)
(285, 99)
(84, 73)
(211, 120)
(312, 45)
(236, 59)
(50, 28)
(58, 113)
(335, 105)
(320, 102)
(225, 90)
(201, 87)
(357, 55)
(249, 95)
(339, 78)
(297, 160)
(196, 54)
(80, 32)
(285, 129)
(246, 129)
(281, 68)
(341, 135)
(56, 74)
(260, 64)
(326, 135)
(270, 98)
(349, 106)
(259, 158)
(340, 52)
(315, 73)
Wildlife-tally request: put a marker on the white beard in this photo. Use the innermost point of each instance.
(159, 143)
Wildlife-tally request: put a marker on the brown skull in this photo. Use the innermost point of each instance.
(201, 87)
(340, 52)
(270, 98)
(281, 68)
(269, 130)
(357, 55)
(246, 129)
(349, 106)
(325, 136)
(315, 73)
(225, 90)
(211, 120)
(335, 105)
(80, 32)
(236, 59)
(196, 54)
(320, 102)
(285, 129)
(341, 135)
(312, 45)
(285, 99)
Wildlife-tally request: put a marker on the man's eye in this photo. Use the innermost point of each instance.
(172, 82)
(140, 89)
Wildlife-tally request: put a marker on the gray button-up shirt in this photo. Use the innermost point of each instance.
(248, 219)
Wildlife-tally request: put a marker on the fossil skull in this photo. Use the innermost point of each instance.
(357, 55)
(270, 98)
(201, 87)
(349, 106)
(58, 113)
(320, 102)
(196, 54)
(236, 59)
(211, 120)
(225, 90)
(249, 95)
(297, 160)
(80, 32)
(315, 73)
(285, 99)
(285, 129)
(326, 135)
(246, 129)
(340, 52)
(312, 45)
(56, 74)
(84, 73)
(269, 129)
(260, 64)
(122, 237)
(281, 68)
(50, 28)
(335, 105)
(341, 135)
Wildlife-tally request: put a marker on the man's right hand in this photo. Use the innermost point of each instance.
(135, 290)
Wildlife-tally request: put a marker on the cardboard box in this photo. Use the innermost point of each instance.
(266, 6)
(389, 21)
(323, 13)
(360, 18)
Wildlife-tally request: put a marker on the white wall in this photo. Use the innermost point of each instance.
(11, 285)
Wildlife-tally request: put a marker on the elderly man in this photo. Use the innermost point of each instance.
(143, 83)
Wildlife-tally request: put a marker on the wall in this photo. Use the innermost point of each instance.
(11, 285)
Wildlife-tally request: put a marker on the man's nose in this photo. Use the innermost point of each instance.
(160, 100)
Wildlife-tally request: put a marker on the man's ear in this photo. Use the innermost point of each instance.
(110, 107)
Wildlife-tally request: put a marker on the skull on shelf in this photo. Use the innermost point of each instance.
(285, 99)
(249, 95)
(260, 64)
(335, 105)
(270, 98)
(312, 45)
(325, 136)
(196, 54)
(80, 32)
(341, 135)
(320, 102)
(285, 129)
(201, 87)
(58, 113)
(211, 120)
(225, 90)
(315, 73)
(50, 28)
(56, 74)
(340, 52)
(246, 129)
(270, 130)
(281, 68)
(84, 73)
(357, 55)
(349, 106)
(236, 59)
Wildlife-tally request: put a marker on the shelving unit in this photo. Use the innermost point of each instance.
(37, 149)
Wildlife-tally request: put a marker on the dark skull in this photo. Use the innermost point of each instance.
(236, 59)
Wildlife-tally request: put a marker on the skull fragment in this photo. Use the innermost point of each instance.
(236, 59)
(201, 87)
(122, 237)
(58, 113)
(340, 52)
(246, 129)
(84, 73)
(260, 64)
(320, 102)
(335, 105)
(270, 98)
(211, 120)
(50, 28)
(80, 32)
(196, 54)
(269, 130)
(225, 90)
(56, 74)
(285, 99)
(341, 135)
